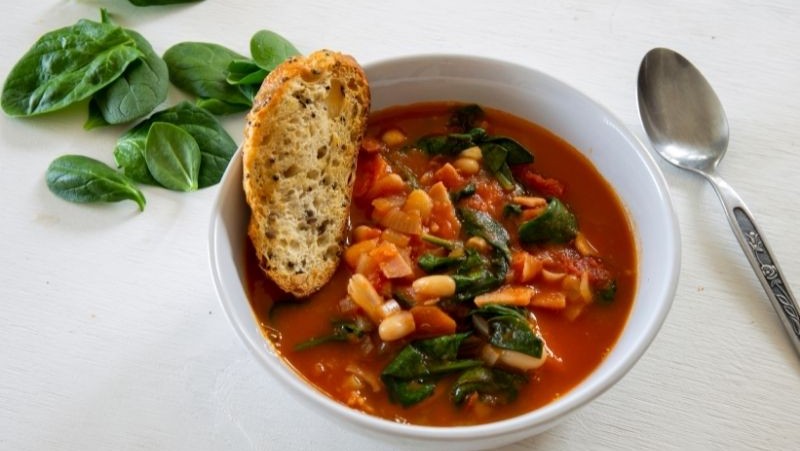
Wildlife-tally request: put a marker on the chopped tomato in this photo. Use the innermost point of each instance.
(537, 183)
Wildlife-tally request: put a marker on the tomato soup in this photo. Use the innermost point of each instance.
(489, 269)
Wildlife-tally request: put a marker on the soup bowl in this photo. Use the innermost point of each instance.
(615, 152)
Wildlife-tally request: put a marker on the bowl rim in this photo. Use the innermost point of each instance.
(545, 415)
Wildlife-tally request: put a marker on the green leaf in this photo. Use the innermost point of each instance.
(201, 69)
(509, 329)
(466, 117)
(82, 179)
(479, 223)
(95, 117)
(216, 145)
(172, 156)
(466, 191)
(607, 292)
(412, 375)
(494, 386)
(450, 144)
(270, 49)
(245, 72)
(431, 263)
(556, 224)
(342, 331)
(220, 107)
(66, 66)
(479, 274)
(517, 153)
(140, 89)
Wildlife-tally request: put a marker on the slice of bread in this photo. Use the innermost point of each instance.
(300, 150)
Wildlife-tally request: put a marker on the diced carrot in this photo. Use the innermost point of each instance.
(387, 184)
(432, 321)
(550, 300)
(365, 232)
(449, 175)
(507, 295)
(443, 222)
(371, 167)
(391, 263)
(383, 205)
(400, 221)
(353, 253)
(393, 236)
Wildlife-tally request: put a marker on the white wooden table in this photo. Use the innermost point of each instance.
(111, 336)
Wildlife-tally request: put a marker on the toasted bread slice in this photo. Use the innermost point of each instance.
(300, 150)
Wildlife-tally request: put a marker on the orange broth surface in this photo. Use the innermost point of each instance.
(578, 345)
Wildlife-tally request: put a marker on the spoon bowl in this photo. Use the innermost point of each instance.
(686, 124)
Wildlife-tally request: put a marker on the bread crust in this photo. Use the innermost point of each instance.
(300, 149)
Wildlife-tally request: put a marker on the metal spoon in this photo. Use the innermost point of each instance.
(686, 124)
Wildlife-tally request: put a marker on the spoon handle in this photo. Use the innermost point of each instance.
(760, 257)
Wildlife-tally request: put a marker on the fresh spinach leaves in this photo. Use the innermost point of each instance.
(172, 156)
(342, 331)
(478, 274)
(140, 89)
(431, 263)
(556, 224)
(77, 178)
(216, 145)
(509, 329)
(481, 224)
(200, 69)
(494, 386)
(466, 117)
(412, 375)
(270, 49)
(66, 66)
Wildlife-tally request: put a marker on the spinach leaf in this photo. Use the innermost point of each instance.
(466, 117)
(493, 385)
(431, 263)
(479, 274)
(607, 292)
(66, 66)
(412, 375)
(245, 72)
(450, 144)
(342, 331)
(433, 239)
(161, 2)
(479, 223)
(220, 107)
(201, 69)
(509, 329)
(216, 145)
(172, 156)
(466, 191)
(140, 89)
(82, 179)
(270, 49)
(512, 210)
(556, 224)
(517, 153)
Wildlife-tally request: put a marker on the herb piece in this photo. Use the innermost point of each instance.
(216, 145)
(509, 329)
(172, 156)
(342, 331)
(245, 72)
(608, 292)
(512, 209)
(479, 274)
(161, 2)
(66, 66)
(466, 117)
(493, 385)
(450, 144)
(556, 224)
(81, 179)
(140, 89)
(414, 372)
(433, 239)
(479, 223)
(270, 49)
(201, 69)
(466, 191)
(431, 263)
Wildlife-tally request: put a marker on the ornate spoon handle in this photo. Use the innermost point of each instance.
(760, 257)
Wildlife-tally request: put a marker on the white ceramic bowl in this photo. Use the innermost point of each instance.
(522, 91)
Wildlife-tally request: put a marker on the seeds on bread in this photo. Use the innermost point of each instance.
(299, 153)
